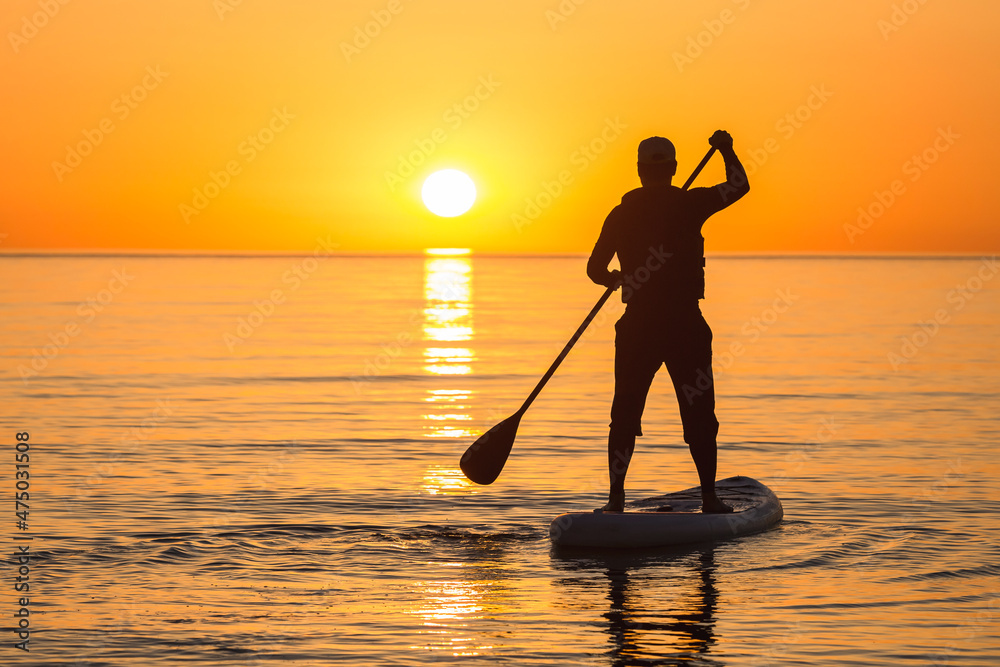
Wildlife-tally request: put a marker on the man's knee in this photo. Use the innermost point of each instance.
(626, 414)
(702, 434)
(625, 427)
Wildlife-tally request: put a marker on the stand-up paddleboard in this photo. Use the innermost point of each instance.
(675, 518)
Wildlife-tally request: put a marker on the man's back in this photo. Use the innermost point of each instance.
(656, 233)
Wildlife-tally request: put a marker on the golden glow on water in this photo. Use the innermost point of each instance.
(448, 319)
(449, 416)
(446, 315)
(449, 360)
(447, 310)
(449, 432)
(444, 413)
(440, 480)
(448, 281)
(439, 369)
(448, 395)
(811, 406)
(447, 608)
(449, 334)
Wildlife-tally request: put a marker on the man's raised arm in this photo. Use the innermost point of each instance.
(736, 184)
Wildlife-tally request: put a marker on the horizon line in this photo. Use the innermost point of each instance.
(437, 252)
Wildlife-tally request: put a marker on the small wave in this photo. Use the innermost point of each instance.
(278, 530)
(963, 573)
(847, 554)
(165, 537)
(886, 604)
(176, 553)
(526, 533)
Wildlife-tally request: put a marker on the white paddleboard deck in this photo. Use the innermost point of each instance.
(644, 524)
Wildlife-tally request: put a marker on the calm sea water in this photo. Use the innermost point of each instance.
(251, 461)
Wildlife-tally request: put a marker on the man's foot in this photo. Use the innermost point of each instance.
(616, 503)
(712, 505)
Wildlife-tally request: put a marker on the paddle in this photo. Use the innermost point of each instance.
(485, 458)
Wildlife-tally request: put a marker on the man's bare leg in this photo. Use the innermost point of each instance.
(705, 456)
(621, 444)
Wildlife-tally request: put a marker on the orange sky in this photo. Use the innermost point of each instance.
(313, 121)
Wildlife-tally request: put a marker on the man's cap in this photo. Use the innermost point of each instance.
(656, 150)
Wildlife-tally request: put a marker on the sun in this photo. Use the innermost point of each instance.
(448, 193)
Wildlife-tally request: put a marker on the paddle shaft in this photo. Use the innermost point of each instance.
(600, 303)
(697, 170)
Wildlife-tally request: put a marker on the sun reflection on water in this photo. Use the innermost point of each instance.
(447, 319)
(441, 480)
(447, 607)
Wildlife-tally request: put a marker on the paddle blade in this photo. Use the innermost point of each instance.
(485, 458)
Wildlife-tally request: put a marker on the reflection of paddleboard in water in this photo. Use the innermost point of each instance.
(675, 518)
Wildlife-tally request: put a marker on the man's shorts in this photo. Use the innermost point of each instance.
(681, 339)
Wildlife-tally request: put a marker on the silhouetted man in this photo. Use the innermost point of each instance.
(656, 233)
